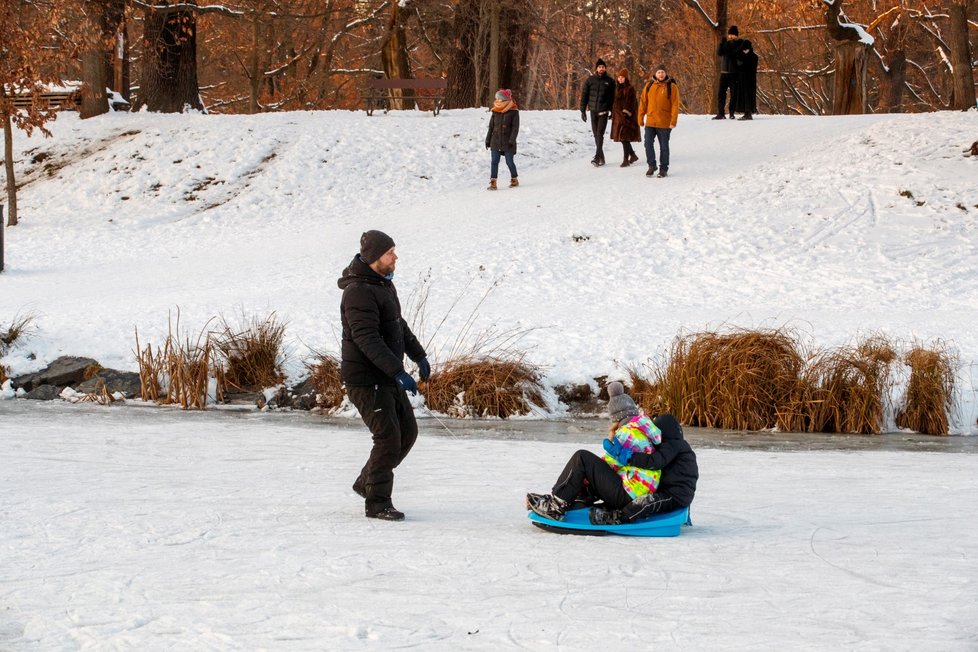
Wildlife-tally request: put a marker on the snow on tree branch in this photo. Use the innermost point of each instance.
(200, 9)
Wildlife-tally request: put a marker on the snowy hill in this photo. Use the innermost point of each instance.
(835, 226)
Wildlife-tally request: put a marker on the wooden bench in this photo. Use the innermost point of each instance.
(415, 90)
(50, 100)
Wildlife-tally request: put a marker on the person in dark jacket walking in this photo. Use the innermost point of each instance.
(746, 95)
(598, 96)
(624, 123)
(375, 339)
(677, 484)
(504, 126)
(728, 51)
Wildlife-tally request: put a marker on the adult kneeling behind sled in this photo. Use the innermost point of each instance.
(648, 468)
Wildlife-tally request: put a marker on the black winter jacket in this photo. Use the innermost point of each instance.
(675, 458)
(728, 51)
(375, 336)
(503, 129)
(598, 93)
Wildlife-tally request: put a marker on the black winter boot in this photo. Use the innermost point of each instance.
(387, 514)
(663, 171)
(547, 506)
(651, 171)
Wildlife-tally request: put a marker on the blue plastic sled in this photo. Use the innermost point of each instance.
(576, 522)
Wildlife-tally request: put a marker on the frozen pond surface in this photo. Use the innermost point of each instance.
(149, 529)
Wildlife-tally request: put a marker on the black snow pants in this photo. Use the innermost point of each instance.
(599, 122)
(389, 416)
(588, 476)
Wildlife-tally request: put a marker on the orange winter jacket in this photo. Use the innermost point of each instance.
(659, 105)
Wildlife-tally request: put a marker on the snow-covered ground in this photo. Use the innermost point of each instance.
(220, 531)
(838, 227)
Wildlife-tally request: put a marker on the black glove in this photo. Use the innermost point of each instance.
(424, 369)
(584, 116)
(406, 382)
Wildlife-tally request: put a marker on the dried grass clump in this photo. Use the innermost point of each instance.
(252, 355)
(20, 327)
(482, 386)
(930, 390)
(735, 380)
(325, 374)
(179, 371)
(647, 394)
(3, 374)
(842, 390)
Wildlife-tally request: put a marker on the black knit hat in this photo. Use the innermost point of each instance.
(733, 30)
(373, 245)
(600, 63)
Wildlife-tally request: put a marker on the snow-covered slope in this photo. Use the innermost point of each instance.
(835, 226)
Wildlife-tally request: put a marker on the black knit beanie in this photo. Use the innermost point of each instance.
(600, 63)
(373, 245)
(733, 30)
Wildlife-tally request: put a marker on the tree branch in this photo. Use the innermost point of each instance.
(205, 9)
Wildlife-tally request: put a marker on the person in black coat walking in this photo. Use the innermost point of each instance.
(375, 339)
(504, 127)
(677, 484)
(598, 95)
(728, 51)
(746, 89)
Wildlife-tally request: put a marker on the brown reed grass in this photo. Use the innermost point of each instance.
(484, 386)
(325, 374)
(19, 328)
(179, 372)
(842, 390)
(252, 354)
(732, 380)
(930, 390)
(3, 374)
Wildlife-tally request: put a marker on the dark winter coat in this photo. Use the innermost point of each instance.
(375, 336)
(625, 127)
(598, 93)
(503, 129)
(675, 458)
(728, 51)
(745, 93)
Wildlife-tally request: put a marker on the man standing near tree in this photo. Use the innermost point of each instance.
(598, 95)
(375, 339)
(728, 51)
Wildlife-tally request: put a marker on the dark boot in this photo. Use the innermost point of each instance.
(387, 514)
(719, 116)
(547, 506)
(733, 116)
(651, 171)
(632, 157)
(663, 171)
(746, 116)
(625, 163)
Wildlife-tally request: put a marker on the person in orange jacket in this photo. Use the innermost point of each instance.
(658, 112)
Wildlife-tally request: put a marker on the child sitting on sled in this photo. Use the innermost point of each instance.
(615, 481)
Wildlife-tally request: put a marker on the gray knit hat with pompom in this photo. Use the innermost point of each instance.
(620, 404)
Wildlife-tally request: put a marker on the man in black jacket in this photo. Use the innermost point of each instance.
(375, 339)
(729, 52)
(677, 485)
(598, 95)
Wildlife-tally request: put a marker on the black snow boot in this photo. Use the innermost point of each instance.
(604, 516)
(651, 171)
(663, 171)
(547, 506)
(387, 514)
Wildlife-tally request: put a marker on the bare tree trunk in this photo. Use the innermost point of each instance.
(394, 56)
(169, 70)
(493, 47)
(894, 79)
(8, 157)
(851, 56)
(850, 79)
(461, 91)
(721, 34)
(254, 81)
(963, 75)
(105, 18)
